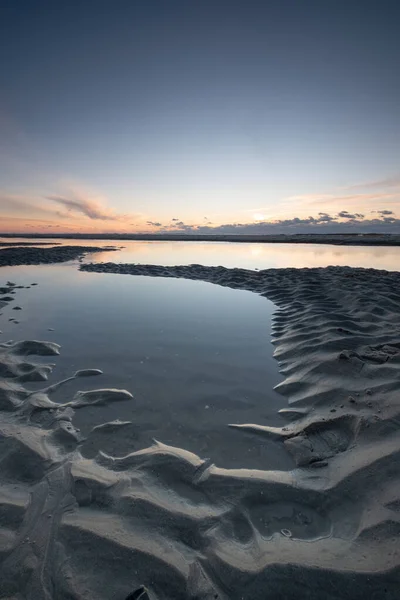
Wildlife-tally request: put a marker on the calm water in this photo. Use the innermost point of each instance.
(196, 356)
(248, 256)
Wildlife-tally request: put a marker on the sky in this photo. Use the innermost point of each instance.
(199, 116)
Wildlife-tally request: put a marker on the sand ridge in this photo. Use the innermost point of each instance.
(78, 520)
(25, 254)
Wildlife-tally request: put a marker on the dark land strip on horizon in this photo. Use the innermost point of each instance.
(346, 239)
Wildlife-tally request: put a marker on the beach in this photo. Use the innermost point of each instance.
(95, 515)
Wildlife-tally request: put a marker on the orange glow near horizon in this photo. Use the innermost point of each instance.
(78, 211)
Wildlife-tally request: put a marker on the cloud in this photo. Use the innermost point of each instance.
(13, 204)
(346, 215)
(174, 219)
(71, 209)
(324, 218)
(377, 184)
(154, 224)
(322, 223)
(385, 212)
(334, 199)
(89, 207)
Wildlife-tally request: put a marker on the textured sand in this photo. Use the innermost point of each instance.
(78, 520)
(27, 255)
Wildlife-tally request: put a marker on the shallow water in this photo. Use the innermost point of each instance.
(244, 255)
(195, 356)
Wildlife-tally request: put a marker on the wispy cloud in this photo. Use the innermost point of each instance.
(74, 208)
(89, 207)
(13, 204)
(377, 184)
(357, 203)
(359, 198)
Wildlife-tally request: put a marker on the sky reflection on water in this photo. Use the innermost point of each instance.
(196, 356)
(247, 256)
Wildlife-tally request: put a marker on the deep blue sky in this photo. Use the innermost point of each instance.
(180, 109)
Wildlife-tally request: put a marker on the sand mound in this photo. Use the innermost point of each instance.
(78, 520)
(23, 254)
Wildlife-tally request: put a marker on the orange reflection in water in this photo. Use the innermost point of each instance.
(254, 256)
(244, 255)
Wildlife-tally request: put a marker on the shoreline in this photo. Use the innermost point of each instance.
(193, 529)
(341, 239)
(29, 255)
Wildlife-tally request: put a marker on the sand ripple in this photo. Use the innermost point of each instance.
(98, 517)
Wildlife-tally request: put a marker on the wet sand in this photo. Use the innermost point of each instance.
(28, 255)
(96, 517)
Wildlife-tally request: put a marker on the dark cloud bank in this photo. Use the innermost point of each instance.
(381, 221)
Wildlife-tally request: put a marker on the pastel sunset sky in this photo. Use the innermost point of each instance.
(208, 116)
